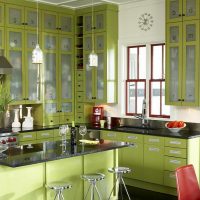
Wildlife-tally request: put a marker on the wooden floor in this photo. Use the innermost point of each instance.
(140, 194)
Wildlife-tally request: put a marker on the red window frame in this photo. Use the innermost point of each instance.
(134, 80)
(161, 81)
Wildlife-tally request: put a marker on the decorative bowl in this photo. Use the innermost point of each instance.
(175, 130)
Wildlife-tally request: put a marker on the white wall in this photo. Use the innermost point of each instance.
(130, 34)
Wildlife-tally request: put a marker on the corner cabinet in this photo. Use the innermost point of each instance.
(182, 61)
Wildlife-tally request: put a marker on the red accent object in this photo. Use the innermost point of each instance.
(97, 115)
(187, 184)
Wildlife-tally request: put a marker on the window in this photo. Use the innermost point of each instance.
(137, 77)
(157, 106)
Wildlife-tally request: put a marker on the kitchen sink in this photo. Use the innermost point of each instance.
(132, 128)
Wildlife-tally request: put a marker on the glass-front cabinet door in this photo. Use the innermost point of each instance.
(2, 44)
(191, 9)
(174, 64)
(14, 16)
(87, 23)
(65, 24)
(190, 86)
(100, 21)
(50, 21)
(15, 43)
(31, 19)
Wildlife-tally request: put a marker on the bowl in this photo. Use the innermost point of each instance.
(175, 130)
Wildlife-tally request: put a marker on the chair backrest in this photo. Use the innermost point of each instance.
(187, 184)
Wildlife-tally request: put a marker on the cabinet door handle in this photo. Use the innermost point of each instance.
(175, 162)
(154, 140)
(175, 152)
(175, 142)
(179, 99)
(51, 121)
(183, 15)
(45, 134)
(132, 137)
(179, 15)
(154, 149)
(27, 136)
(111, 135)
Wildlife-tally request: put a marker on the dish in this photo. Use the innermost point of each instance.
(93, 142)
(175, 130)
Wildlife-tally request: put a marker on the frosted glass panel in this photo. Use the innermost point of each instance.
(66, 76)
(174, 8)
(66, 23)
(31, 40)
(191, 7)
(174, 63)
(32, 18)
(32, 78)
(99, 21)
(88, 23)
(190, 32)
(50, 21)
(16, 75)
(15, 40)
(66, 107)
(88, 81)
(100, 77)
(99, 42)
(66, 44)
(15, 16)
(190, 74)
(51, 108)
(50, 76)
(131, 99)
(174, 34)
(50, 42)
(88, 43)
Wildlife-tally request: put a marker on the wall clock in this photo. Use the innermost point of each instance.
(145, 21)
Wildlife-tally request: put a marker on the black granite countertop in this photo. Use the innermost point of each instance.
(48, 151)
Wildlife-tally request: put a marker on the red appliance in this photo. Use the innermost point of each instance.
(97, 115)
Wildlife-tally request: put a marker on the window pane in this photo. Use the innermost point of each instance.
(155, 98)
(157, 62)
(142, 63)
(165, 108)
(140, 96)
(131, 97)
(133, 63)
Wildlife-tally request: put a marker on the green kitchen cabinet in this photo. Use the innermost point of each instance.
(23, 79)
(2, 14)
(58, 78)
(182, 61)
(57, 23)
(22, 17)
(2, 40)
(178, 10)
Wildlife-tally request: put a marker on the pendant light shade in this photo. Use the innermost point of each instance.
(37, 54)
(93, 57)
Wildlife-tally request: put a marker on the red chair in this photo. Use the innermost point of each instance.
(187, 184)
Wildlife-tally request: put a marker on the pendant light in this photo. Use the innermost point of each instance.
(37, 54)
(93, 58)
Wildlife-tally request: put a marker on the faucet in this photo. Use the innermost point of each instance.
(143, 116)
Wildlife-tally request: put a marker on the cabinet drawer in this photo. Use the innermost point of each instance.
(154, 140)
(27, 136)
(44, 134)
(66, 119)
(175, 152)
(171, 163)
(132, 137)
(169, 179)
(110, 135)
(44, 140)
(79, 75)
(79, 107)
(80, 96)
(80, 117)
(79, 86)
(51, 121)
(57, 135)
(174, 142)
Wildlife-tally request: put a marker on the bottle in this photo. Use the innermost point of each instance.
(73, 134)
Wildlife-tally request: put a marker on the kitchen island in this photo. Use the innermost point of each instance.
(28, 168)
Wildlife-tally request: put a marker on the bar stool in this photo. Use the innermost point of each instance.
(92, 179)
(119, 171)
(58, 188)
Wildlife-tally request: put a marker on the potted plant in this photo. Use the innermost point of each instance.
(5, 100)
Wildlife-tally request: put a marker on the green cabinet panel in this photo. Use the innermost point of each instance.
(132, 138)
(175, 142)
(176, 152)
(153, 163)
(44, 134)
(111, 135)
(154, 140)
(2, 14)
(2, 40)
(171, 163)
(170, 179)
(27, 136)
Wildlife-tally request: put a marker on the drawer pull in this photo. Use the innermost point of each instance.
(174, 152)
(175, 142)
(175, 161)
(27, 136)
(45, 134)
(154, 140)
(111, 135)
(132, 137)
(154, 149)
(172, 175)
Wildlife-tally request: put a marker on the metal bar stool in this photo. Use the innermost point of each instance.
(58, 188)
(119, 171)
(92, 179)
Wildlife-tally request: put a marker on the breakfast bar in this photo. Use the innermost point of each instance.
(27, 169)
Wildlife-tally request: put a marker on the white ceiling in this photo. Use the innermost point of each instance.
(83, 3)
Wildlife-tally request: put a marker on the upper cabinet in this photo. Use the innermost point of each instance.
(178, 10)
(182, 60)
(22, 17)
(54, 22)
(1, 14)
